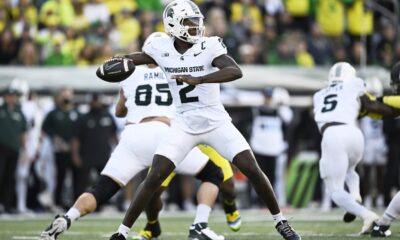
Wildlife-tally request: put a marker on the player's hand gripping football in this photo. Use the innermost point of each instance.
(189, 79)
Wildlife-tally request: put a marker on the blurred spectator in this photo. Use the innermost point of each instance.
(74, 42)
(27, 11)
(385, 48)
(80, 22)
(12, 143)
(115, 7)
(104, 53)
(360, 21)
(283, 54)
(268, 131)
(94, 135)
(59, 126)
(318, 46)
(127, 26)
(154, 5)
(87, 55)
(46, 37)
(28, 55)
(374, 159)
(339, 53)
(217, 25)
(299, 11)
(96, 11)
(246, 16)
(4, 18)
(273, 7)
(34, 117)
(358, 52)
(97, 35)
(303, 58)
(56, 12)
(8, 47)
(247, 54)
(331, 17)
(58, 55)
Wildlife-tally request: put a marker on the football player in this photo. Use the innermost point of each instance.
(392, 212)
(374, 157)
(336, 109)
(195, 66)
(146, 101)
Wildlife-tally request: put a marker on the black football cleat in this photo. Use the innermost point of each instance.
(117, 236)
(286, 231)
(380, 230)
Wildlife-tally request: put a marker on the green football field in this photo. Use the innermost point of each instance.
(257, 225)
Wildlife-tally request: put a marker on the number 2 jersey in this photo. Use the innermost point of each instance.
(147, 94)
(339, 102)
(198, 108)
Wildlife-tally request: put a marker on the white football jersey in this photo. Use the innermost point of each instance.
(339, 102)
(147, 94)
(199, 108)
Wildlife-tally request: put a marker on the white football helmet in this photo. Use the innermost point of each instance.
(183, 20)
(341, 71)
(22, 87)
(154, 35)
(374, 86)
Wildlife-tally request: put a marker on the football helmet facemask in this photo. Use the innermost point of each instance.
(341, 71)
(183, 20)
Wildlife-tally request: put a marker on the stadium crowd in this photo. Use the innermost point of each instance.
(285, 32)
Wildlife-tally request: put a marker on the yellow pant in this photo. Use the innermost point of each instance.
(217, 160)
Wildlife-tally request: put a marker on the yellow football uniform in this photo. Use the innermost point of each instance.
(217, 160)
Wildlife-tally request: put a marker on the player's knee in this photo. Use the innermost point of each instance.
(211, 173)
(104, 189)
(247, 164)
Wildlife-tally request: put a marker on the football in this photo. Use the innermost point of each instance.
(115, 69)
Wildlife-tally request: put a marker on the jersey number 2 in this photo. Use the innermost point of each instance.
(330, 103)
(144, 92)
(184, 91)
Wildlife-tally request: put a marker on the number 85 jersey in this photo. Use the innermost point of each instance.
(339, 102)
(147, 94)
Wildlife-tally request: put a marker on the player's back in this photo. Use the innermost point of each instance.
(339, 102)
(147, 94)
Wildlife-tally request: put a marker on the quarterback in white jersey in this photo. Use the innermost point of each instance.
(336, 109)
(194, 66)
(146, 102)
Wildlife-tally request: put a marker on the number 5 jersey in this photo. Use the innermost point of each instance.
(339, 102)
